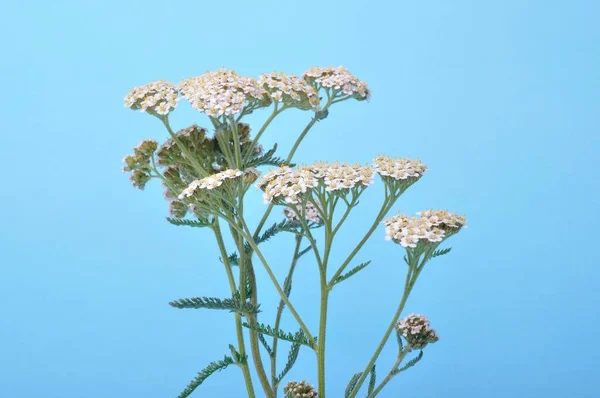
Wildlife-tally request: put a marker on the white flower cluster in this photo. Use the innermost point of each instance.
(397, 168)
(289, 184)
(415, 328)
(302, 389)
(432, 225)
(158, 97)
(338, 78)
(310, 213)
(210, 182)
(290, 90)
(221, 92)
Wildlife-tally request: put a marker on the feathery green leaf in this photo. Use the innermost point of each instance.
(350, 273)
(267, 159)
(352, 384)
(188, 223)
(263, 341)
(232, 304)
(372, 380)
(409, 364)
(298, 337)
(441, 252)
(205, 373)
(292, 356)
(303, 252)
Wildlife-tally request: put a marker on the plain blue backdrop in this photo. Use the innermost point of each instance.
(500, 98)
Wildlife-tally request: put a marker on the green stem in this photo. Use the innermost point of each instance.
(286, 286)
(324, 298)
(236, 142)
(411, 278)
(391, 374)
(247, 273)
(201, 171)
(262, 130)
(246, 233)
(387, 204)
(238, 319)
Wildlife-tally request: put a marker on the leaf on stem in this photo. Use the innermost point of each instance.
(350, 273)
(352, 384)
(232, 304)
(298, 337)
(372, 380)
(189, 223)
(399, 339)
(409, 364)
(441, 252)
(261, 338)
(303, 252)
(292, 356)
(267, 159)
(205, 373)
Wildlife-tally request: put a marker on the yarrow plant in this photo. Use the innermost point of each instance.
(206, 174)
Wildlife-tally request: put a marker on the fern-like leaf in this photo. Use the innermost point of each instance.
(233, 259)
(441, 252)
(298, 337)
(205, 373)
(274, 230)
(188, 223)
(352, 384)
(303, 252)
(263, 341)
(399, 339)
(232, 304)
(372, 380)
(410, 363)
(350, 273)
(292, 356)
(267, 159)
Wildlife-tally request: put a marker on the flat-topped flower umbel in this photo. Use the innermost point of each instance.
(206, 174)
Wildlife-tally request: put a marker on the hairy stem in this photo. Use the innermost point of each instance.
(387, 204)
(246, 233)
(411, 278)
(238, 318)
(247, 273)
(286, 286)
(391, 374)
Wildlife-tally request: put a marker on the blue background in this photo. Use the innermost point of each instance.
(500, 99)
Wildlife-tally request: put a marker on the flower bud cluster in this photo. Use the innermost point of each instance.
(158, 97)
(311, 213)
(338, 78)
(290, 90)
(431, 226)
(398, 168)
(301, 389)
(289, 184)
(416, 330)
(222, 92)
(139, 163)
(209, 183)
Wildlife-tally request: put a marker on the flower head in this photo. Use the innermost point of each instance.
(301, 389)
(338, 78)
(311, 213)
(209, 183)
(158, 98)
(290, 90)
(416, 330)
(139, 163)
(398, 168)
(430, 226)
(289, 184)
(222, 92)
